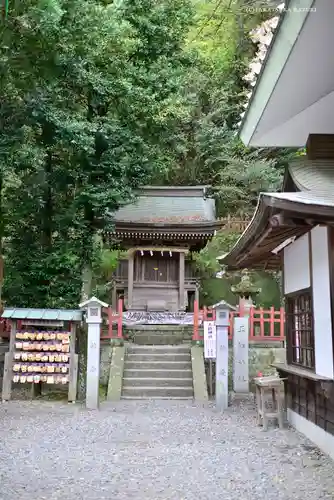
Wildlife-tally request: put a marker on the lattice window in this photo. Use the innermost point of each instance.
(300, 333)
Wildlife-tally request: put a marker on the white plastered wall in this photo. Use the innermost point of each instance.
(322, 302)
(297, 266)
(298, 276)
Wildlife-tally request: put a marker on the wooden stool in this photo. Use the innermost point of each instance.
(274, 386)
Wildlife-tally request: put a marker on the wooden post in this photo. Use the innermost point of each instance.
(114, 297)
(130, 279)
(210, 378)
(8, 368)
(120, 319)
(181, 281)
(73, 372)
(197, 294)
(196, 321)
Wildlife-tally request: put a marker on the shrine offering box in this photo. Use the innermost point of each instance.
(41, 350)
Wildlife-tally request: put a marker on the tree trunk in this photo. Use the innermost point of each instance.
(87, 280)
(1, 241)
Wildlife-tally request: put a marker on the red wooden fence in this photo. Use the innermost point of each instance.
(114, 317)
(264, 324)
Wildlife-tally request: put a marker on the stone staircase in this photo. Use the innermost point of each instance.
(158, 372)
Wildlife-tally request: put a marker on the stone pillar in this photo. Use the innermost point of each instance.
(130, 279)
(240, 355)
(222, 321)
(222, 368)
(93, 367)
(245, 290)
(93, 309)
(181, 281)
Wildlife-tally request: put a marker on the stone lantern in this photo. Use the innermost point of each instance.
(246, 292)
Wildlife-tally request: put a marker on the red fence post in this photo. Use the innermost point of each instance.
(251, 323)
(196, 320)
(272, 323)
(120, 319)
(230, 326)
(282, 322)
(261, 322)
(260, 317)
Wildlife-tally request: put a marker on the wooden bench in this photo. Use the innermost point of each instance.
(272, 385)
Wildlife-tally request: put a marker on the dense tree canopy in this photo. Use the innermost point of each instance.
(89, 88)
(100, 97)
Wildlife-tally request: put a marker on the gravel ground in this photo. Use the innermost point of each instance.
(153, 450)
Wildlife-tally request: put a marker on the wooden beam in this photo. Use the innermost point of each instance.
(130, 280)
(254, 245)
(320, 146)
(181, 281)
(131, 251)
(281, 220)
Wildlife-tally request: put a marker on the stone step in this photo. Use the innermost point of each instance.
(152, 365)
(157, 382)
(173, 398)
(167, 356)
(157, 373)
(157, 392)
(156, 349)
(155, 340)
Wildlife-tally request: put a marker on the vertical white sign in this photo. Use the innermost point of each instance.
(209, 340)
(222, 368)
(93, 366)
(240, 355)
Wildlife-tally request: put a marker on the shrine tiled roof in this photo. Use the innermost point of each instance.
(169, 206)
(313, 175)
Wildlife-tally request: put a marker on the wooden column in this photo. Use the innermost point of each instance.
(181, 281)
(8, 368)
(114, 297)
(130, 279)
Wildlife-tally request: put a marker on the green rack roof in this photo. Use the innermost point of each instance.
(43, 314)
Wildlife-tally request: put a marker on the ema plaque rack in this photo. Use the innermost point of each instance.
(41, 350)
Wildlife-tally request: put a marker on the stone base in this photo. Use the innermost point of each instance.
(235, 397)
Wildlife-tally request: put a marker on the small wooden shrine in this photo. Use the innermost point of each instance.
(160, 231)
(41, 350)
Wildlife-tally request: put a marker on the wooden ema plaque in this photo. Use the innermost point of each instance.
(41, 354)
(41, 357)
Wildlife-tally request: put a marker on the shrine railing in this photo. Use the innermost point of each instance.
(265, 325)
(113, 318)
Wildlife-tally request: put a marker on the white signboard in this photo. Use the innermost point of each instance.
(209, 340)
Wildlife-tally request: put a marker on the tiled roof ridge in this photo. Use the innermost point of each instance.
(156, 191)
(261, 36)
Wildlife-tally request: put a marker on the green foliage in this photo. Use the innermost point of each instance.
(206, 260)
(89, 88)
(101, 97)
